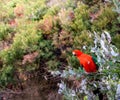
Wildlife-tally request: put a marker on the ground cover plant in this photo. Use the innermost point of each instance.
(40, 35)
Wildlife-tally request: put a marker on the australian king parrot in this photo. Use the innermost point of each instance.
(88, 62)
(90, 65)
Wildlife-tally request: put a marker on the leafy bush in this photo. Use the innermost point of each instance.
(116, 41)
(83, 84)
(117, 7)
(82, 40)
(23, 42)
(105, 19)
(39, 12)
(43, 33)
(5, 31)
(46, 25)
(6, 75)
(81, 21)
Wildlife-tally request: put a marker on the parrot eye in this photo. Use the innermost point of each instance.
(74, 53)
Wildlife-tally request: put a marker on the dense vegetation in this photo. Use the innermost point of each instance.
(43, 33)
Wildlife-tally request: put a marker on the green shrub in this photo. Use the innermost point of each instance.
(116, 41)
(81, 85)
(91, 2)
(5, 31)
(47, 57)
(10, 56)
(52, 11)
(24, 42)
(46, 24)
(6, 11)
(73, 61)
(117, 8)
(105, 20)
(39, 10)
(6, 75)
(52, 31)
(83, 39)
(81, 21)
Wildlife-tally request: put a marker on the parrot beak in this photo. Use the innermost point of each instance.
(73, 53)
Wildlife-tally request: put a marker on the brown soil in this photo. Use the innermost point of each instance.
(35, 88)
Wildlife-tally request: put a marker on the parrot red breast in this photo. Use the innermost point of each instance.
(86, 61)
(90, 65)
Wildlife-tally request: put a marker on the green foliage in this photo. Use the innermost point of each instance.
(40, 12)
(52, 30)
(24, 42)
(47, 56)
(111, 72)
(6, 11)
(106, 80)
(9, 56)
(52, 11)
(5, 31)
(116, 41)
(66, 17)
(117, 7)
(70, 4)
(91, 2)
(50, 63)
(105, 20)
(73, 61)
(45, 49)
(40, 9)
(82, 39)
(26, 39)
(47, 25)
(81, 21)
(6, 75)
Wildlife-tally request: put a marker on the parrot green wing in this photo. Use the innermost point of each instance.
(95, 61)
(81, 70)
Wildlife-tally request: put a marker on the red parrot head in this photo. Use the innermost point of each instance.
(77, 53)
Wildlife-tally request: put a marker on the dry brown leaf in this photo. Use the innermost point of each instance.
(29, 57)
(19, 11)
(46, 25)
(94, 16)
(12, 23)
